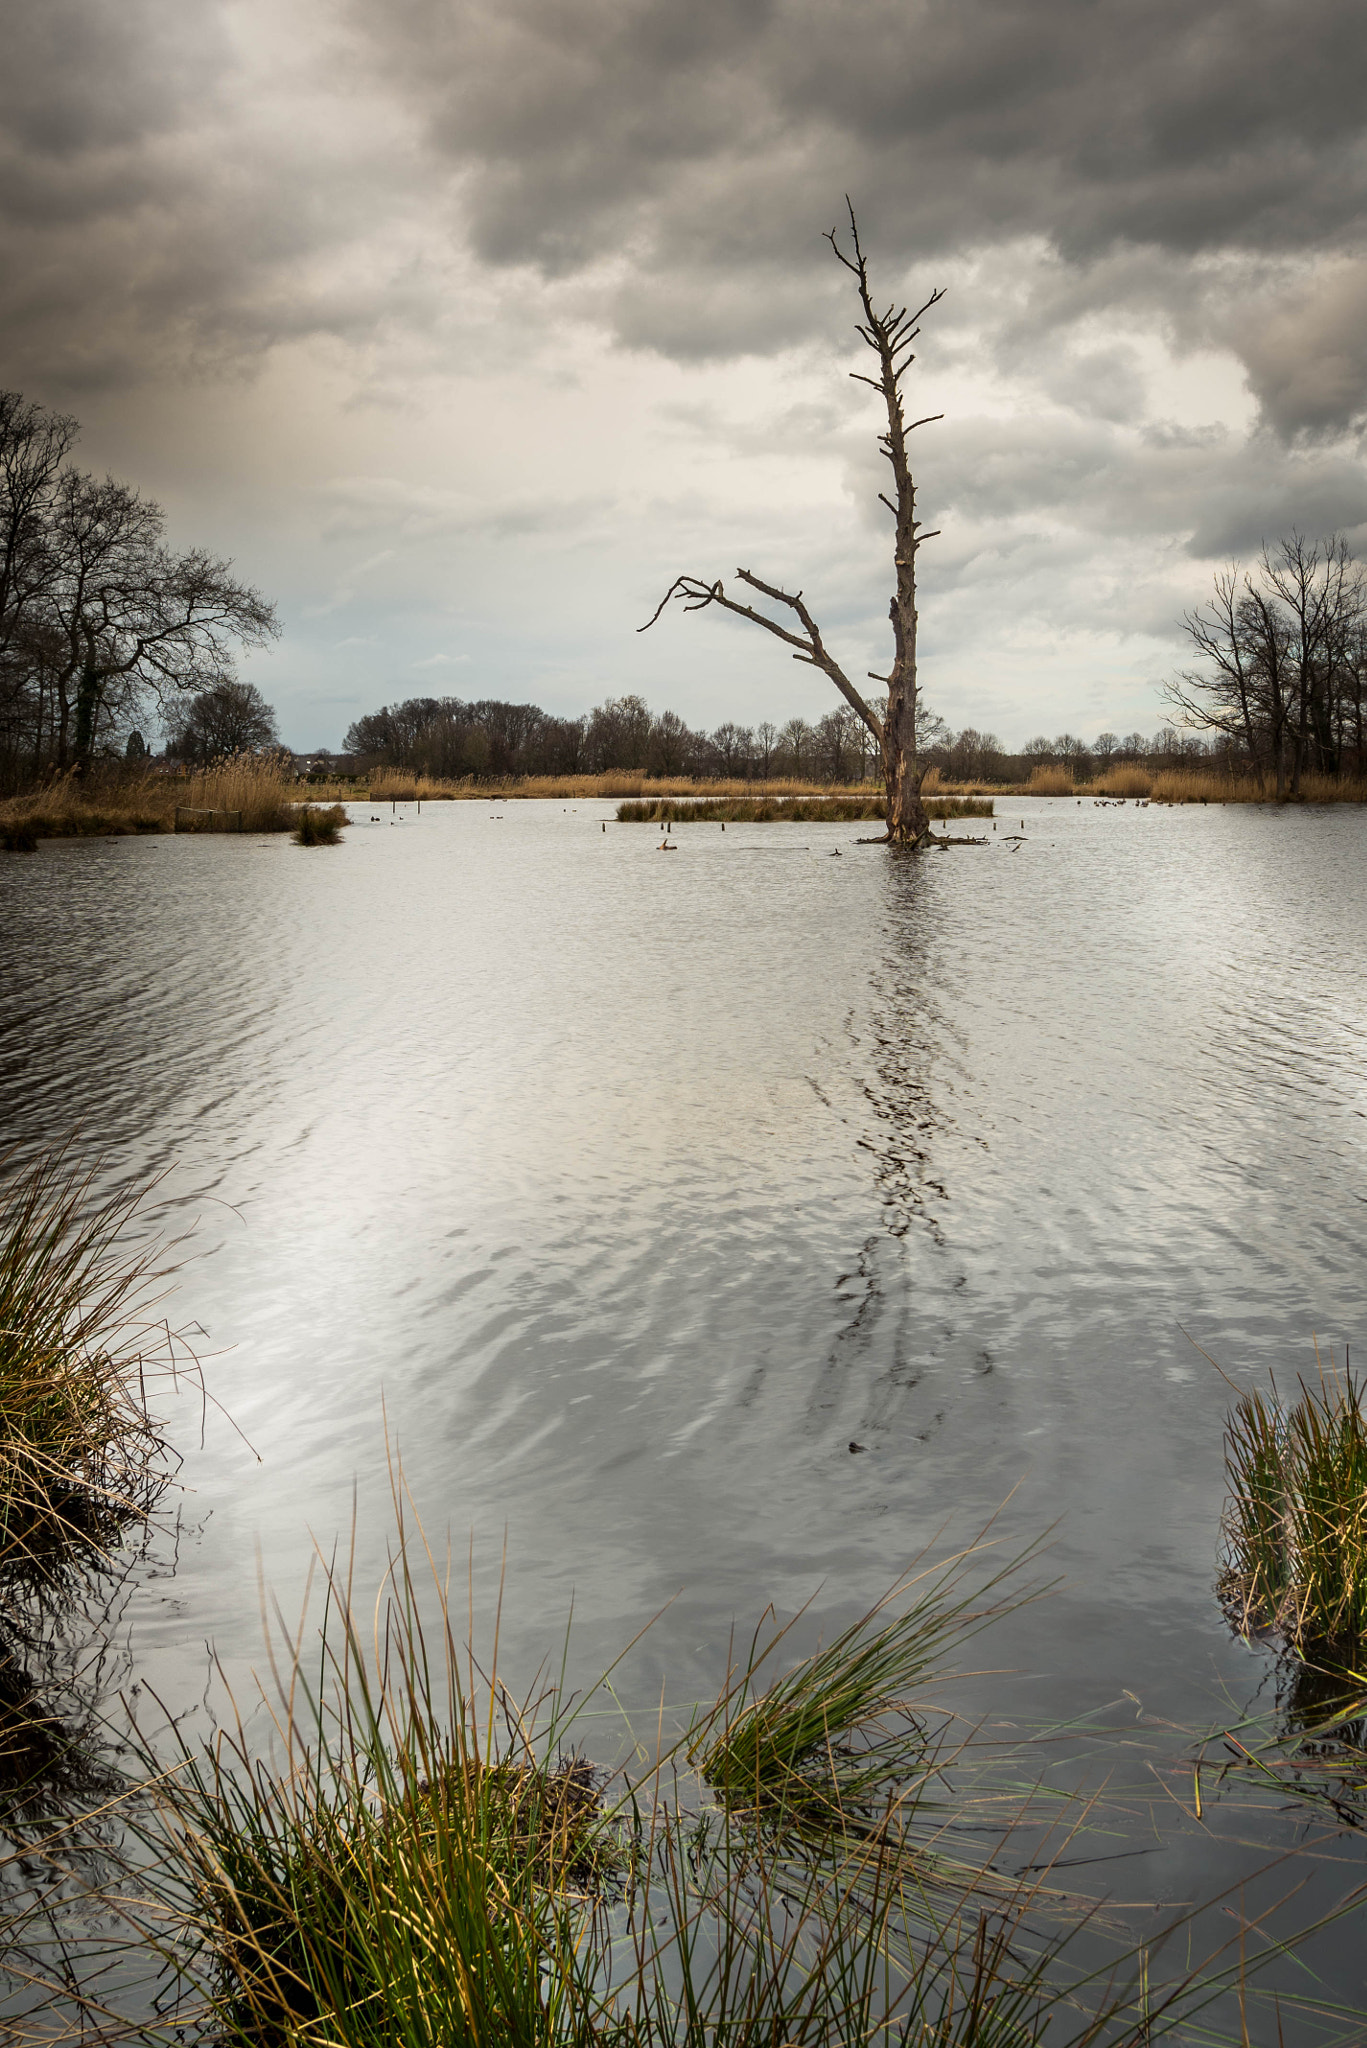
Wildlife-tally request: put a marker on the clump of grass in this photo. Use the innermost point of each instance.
(411, 1871)
(374, 1897)
(319, 824)
(255, 790)
(840, 1727)
(1296, 1524)
(81, 1456)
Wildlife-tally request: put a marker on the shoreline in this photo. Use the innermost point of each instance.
(251, 797)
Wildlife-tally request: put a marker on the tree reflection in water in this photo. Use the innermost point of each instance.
(910, 1058)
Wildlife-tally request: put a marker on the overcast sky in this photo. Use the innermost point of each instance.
(465, 325)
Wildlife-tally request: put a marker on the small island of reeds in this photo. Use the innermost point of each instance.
(777, 810)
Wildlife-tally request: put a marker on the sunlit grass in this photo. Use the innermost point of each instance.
(1129, 780)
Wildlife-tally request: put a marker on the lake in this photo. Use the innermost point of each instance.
(623, 1192)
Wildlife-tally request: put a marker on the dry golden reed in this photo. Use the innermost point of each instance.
(393, 785)
(1054, 780)
(248, 793)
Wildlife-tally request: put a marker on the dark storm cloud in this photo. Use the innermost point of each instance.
(707, 144)
(79, 81)
(1192, 126)
(681, 160)
(152, 214)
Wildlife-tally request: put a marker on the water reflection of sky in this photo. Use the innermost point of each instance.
(639, 1187)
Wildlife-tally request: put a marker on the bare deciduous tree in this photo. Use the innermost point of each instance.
(97, 615)
(228, 718)
(890, 335)
(1281, 660)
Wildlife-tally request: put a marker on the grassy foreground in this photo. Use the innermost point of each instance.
(244, 795)
(427, 1860)
(391, 1847)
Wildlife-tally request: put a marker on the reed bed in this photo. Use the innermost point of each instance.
(425, 1860)
(1295, 1527)
(81, 1456)
(247, 794)
(1191, 786)
(754, 810)
(1051, 781)
(1162, 786)
(1123, 782)
(1131, 781)
(390, 785)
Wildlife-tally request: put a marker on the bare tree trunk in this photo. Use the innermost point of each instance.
(908, 821)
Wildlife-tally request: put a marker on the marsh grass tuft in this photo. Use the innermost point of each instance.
(1296, 1523)
(81, 1456)
(319, 825)
(840, 1728)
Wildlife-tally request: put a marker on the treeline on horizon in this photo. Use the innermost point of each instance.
(452, 740)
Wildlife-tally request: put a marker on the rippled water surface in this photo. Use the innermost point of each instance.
(633, 1189)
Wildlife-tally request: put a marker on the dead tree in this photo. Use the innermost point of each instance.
(890, 335)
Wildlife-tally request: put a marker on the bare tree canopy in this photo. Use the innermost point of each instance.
(227, 718)
(890, 336)
(98, 617)
(1282, 660)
